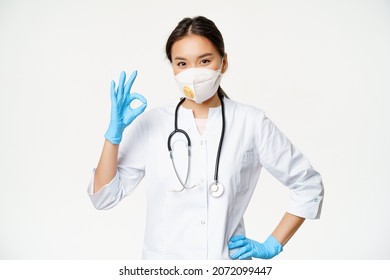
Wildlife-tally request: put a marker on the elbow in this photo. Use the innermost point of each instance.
(306, 196)
(106, 197)
(102, 207)
(103, 203)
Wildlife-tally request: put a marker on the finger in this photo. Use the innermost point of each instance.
(130, 82)
(245, 256)
(127, 88)
(122, 79)
(112, 92)
(240, 252)
(112, 89)
(237, 237)
(139, 97)
(140, 109)
(237, 244)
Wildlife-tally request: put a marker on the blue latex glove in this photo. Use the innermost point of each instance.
(122, 114)
(247, 248)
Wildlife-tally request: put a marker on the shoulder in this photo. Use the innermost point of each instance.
(242, 110)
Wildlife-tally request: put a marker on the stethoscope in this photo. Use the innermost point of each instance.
(216, 189)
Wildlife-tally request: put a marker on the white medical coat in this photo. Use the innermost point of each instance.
(191, 224)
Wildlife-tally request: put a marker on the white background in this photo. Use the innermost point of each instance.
(320, 70)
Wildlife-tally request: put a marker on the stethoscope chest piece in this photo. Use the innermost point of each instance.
(216, 189)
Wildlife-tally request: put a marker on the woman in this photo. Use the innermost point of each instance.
(199, 188)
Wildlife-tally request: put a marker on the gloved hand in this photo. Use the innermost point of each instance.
(247, 248)
(121, 113)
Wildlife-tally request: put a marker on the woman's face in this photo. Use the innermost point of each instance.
(195, 51)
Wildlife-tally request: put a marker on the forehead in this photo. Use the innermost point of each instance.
(192, 46)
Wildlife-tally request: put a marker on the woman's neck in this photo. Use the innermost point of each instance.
(201, 111)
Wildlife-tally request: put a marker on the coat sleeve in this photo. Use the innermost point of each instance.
(288, 165)
(130, 171)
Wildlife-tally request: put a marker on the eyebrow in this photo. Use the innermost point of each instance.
(199, 57)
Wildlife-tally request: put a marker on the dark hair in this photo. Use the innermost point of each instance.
(201, 26)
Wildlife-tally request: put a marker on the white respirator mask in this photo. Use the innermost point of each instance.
(199, 84)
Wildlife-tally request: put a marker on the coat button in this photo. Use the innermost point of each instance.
(203, 222)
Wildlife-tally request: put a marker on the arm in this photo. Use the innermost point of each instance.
(107, 166)
(247, 248)
(287, 164)
(122, 115)
(287, 227)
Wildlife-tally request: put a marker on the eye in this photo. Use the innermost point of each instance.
(181, 64)
(204, 62)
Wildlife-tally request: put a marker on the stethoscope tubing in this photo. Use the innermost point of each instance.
(219, 187)
(216, 172)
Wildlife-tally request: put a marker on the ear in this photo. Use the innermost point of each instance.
(225, 64)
